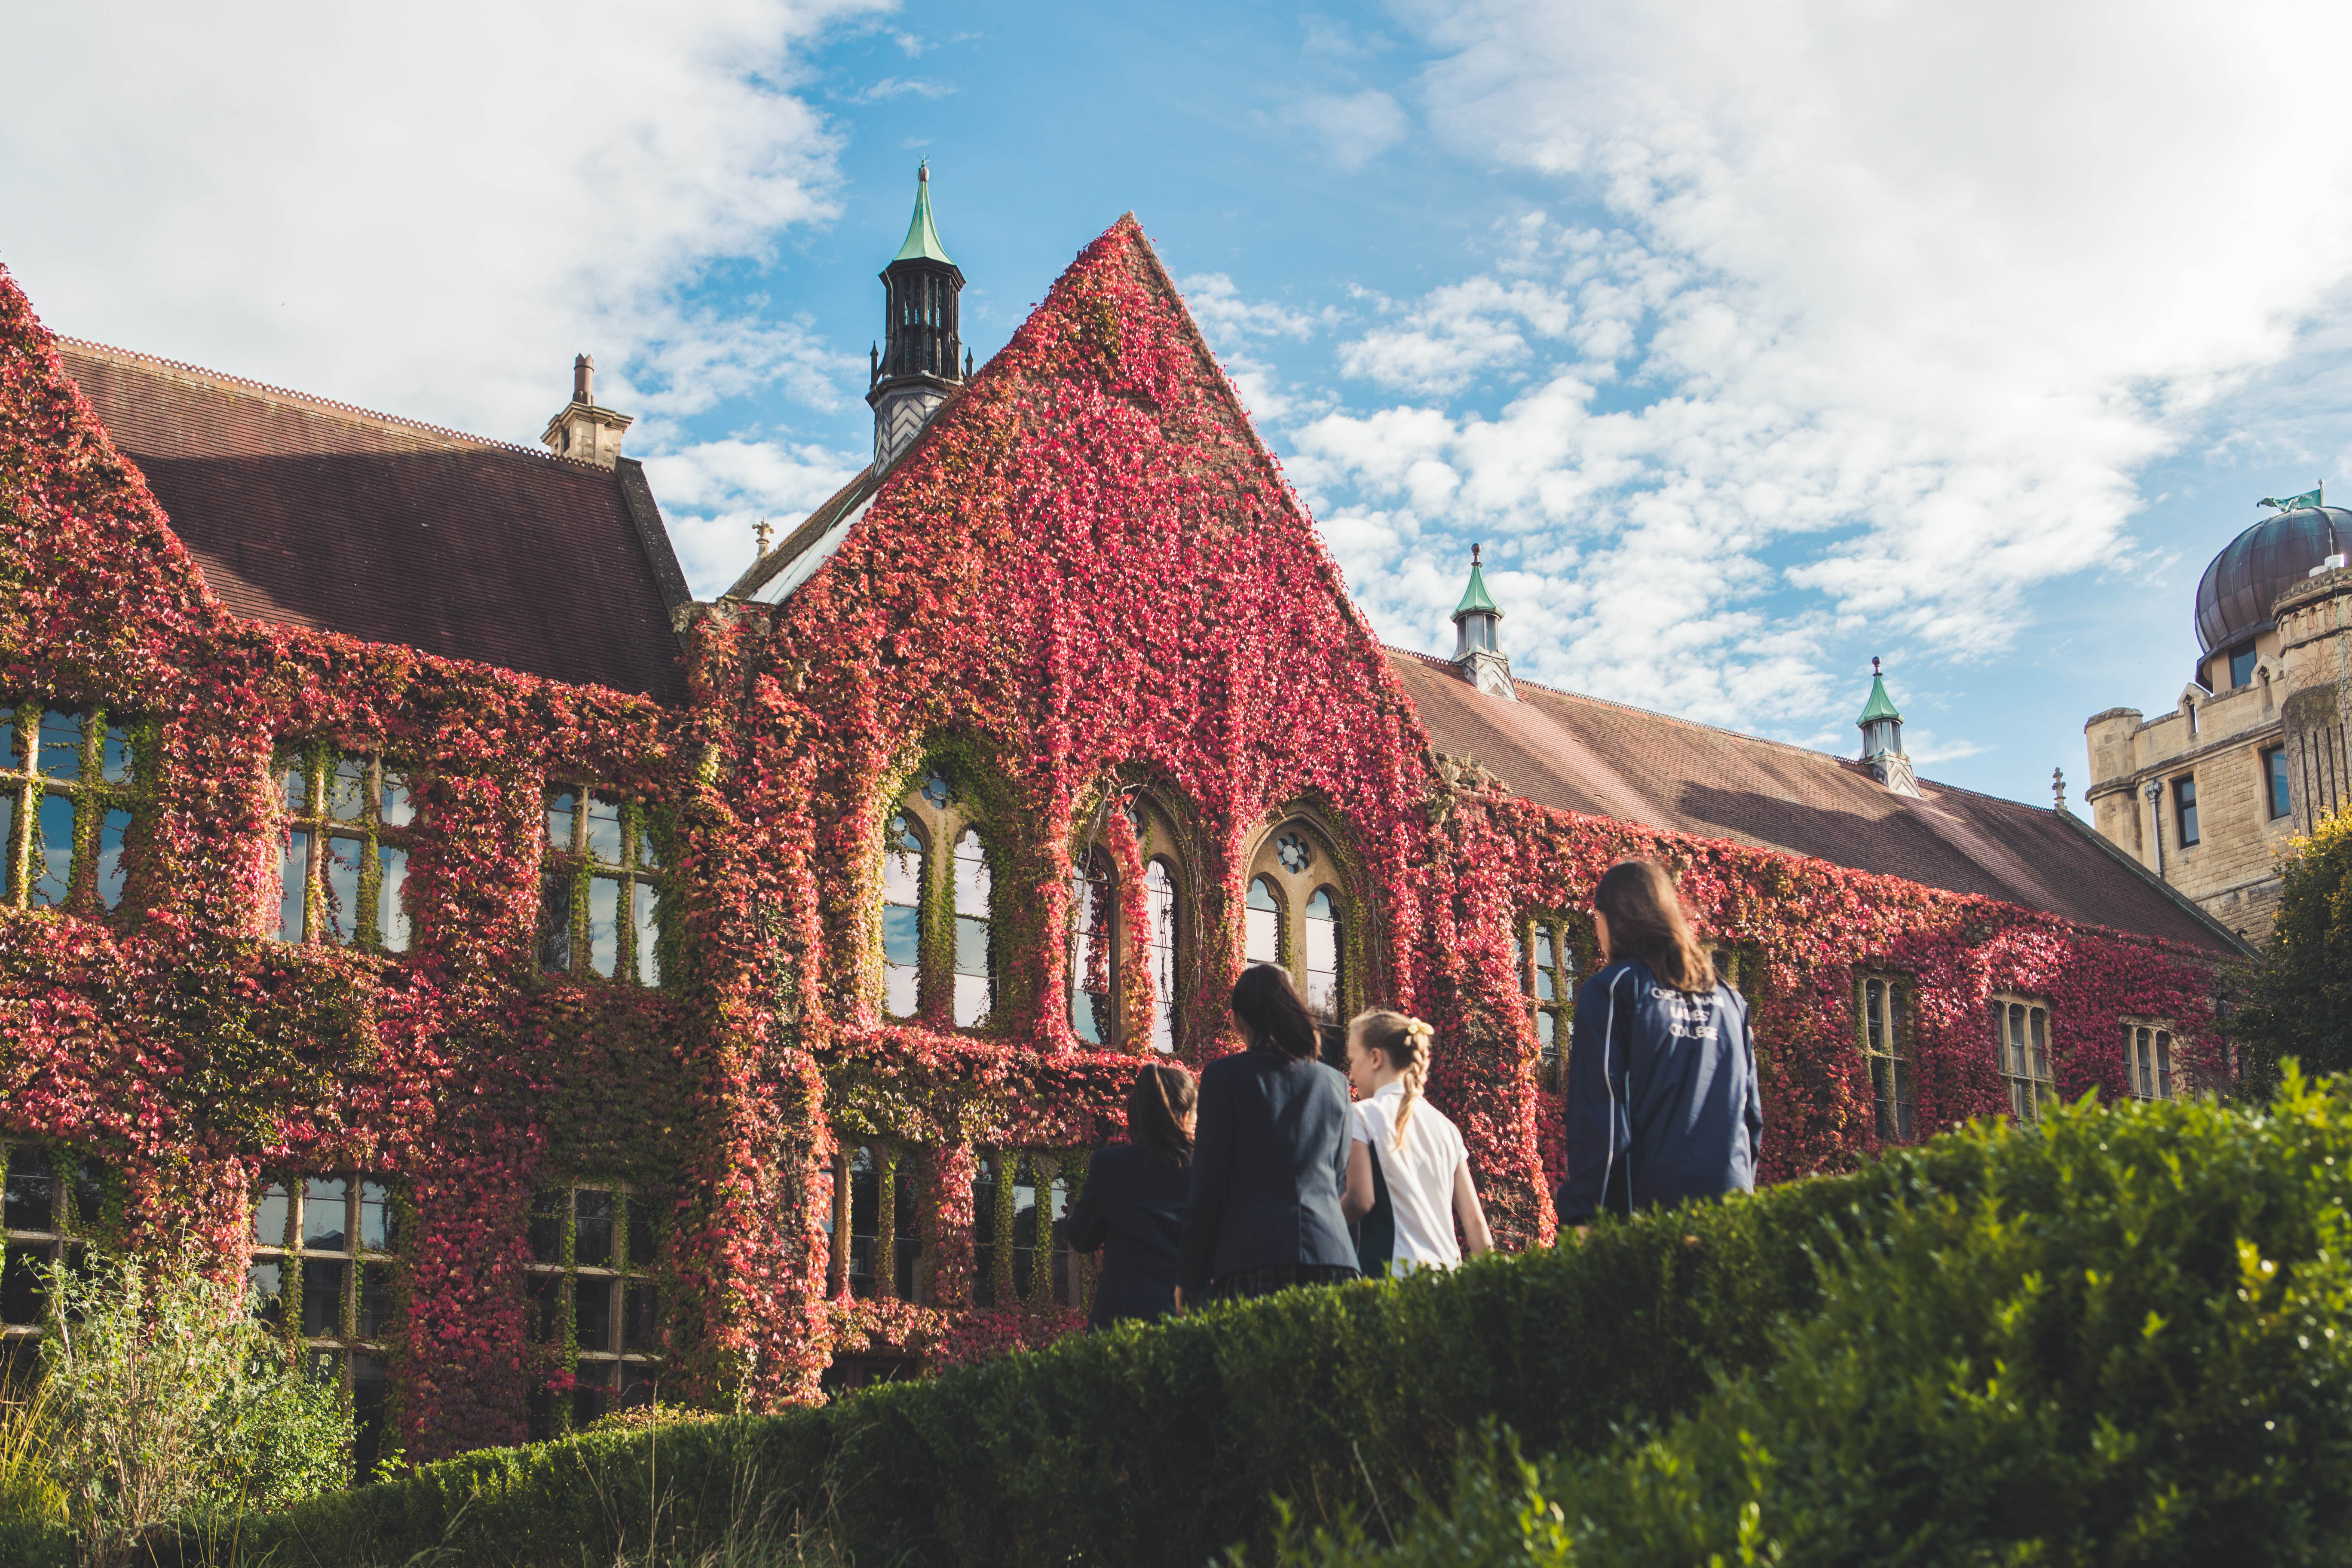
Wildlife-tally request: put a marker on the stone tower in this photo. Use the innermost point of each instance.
(1477, 641)
(920, 361)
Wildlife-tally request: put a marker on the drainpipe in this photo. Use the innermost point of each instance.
(2156, 814)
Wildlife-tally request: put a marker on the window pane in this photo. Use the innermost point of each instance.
(555, 920)
(339, 904)
(548, 1211)
(972, 890)
(1874, 1015)
(53, 850)
(271, 1212)
(640, 1320)
(2280, 803)
(375, 1299)
(542, 1311)
(2040, 1022)
(649, 852)
(1546, 987)
(970, 972)
(367, 1412)
(324, 1222)
(592, 1230)
(603, 923)
(347, 789)
(2163, 1065)
(111, 828)
(901, 932)
(294, 788)
(322, 1298)
(392, 904)
(23, 1293)
(2241, 666)
(643, 1244)
(562, 807)
(399, 806)
(902, 864)
(1159, 909)
(8, 758)
(1323, 955)
(1090, 998)
(1547, 1033)
(9, 842)
(265, 1284)
(89, 1177)
(645, 915)
(604, 830)
(31, 1194)
(293, 863)
(936, 791)
(1261, 925)
(378, 1218)
(1543, 949)
(61, 744)
(114, 755)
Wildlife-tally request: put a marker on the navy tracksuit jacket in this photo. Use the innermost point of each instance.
(1662, 1097)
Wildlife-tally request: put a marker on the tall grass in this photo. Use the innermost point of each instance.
(29, 1493)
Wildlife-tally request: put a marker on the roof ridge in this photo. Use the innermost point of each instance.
(329, 404)
(1431, 658)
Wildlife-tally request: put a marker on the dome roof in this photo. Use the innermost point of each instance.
(2234, 599)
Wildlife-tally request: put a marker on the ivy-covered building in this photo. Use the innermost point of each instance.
(549, 988)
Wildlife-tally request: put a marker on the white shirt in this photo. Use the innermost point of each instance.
(1420, 1176)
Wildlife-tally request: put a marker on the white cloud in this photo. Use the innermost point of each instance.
(714, 493)
(1880, 309)
(891, 86)
(1354, 128)
(427, 208)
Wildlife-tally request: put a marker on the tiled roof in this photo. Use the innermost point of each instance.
(306, 512)
(1579, 753)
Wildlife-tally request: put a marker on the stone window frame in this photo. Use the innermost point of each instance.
(2151, 1059)
(952, 943)
(386, 826)
(353, 1352)
(1566, 934)
(572, 866)
(81, 1191)
(1884, 1011)
(1055, 1276)
(1100, 933)
(1295, 887)
(2025, 1051)
(625, 1368)
(98, 781)
(2277, 784)
(2186, 826)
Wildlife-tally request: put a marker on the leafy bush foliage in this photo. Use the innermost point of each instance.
(2301, 1002)
(167, 1401)
(2130, 1344)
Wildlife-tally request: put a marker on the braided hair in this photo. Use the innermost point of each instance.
(1405, 1042)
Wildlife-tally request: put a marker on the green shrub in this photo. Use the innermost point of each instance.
(2131, 1345)
(2299, 1003)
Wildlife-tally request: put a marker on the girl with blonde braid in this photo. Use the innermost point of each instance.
(1408, 1171)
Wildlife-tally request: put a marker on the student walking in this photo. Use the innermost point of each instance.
(1662, 1103)
(1271, 1157)
(1408, 1173)
(1133, 1203)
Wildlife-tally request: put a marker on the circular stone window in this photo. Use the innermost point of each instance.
(1294, 853)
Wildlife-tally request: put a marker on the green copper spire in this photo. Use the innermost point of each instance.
(1475, 600)
(1880, 705)
(923, 235)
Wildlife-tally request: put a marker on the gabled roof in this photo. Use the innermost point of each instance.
(1579, 753)
(306, 512)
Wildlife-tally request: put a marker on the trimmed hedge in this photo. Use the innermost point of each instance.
(1167, 1445)
(2134, 1345)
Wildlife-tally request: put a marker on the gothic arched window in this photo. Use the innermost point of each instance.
(935, 927)
(1159, 909)
(1295, 913)
(1095, 967)
(1122, 972)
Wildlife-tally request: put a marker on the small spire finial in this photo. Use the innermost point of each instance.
(1474, 554)
(923, 173)
(2058, 789)
(762, 531)
(1874, 664)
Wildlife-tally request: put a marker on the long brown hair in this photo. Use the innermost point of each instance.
(1406, 1043)
(1157, 1102)
(1267, 1006)
(1647, 921)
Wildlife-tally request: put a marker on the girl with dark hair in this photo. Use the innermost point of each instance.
(1133, 1204)
(1663, 1102)
(1272, 1160)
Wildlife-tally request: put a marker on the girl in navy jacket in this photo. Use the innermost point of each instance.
(1662, 1103)
(1133, 1204)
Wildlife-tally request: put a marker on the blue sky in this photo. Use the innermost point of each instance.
(1751, 342)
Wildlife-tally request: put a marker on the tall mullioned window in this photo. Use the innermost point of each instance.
(1095, 972)
(2021, 1039)
(1546, 966)
(2277, 797)
(1020, 1206)
(591, 1304)
(68, 782)
(938, 909)
(877, 1222)
(321, 1275)
(342, 870)
(601, 888)
(1886, 1049)
(1295, 913)
(2147, 1061)
(51, 1202)
(2184, 809)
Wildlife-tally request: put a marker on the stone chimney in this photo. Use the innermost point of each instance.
(581, 430)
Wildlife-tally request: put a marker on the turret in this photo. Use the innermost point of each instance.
(1882, 739)
(920, 361)
(1477, 637)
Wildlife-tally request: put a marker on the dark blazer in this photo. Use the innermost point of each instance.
(1663, 1102)
(1269, 1162)
(1133, 1208)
